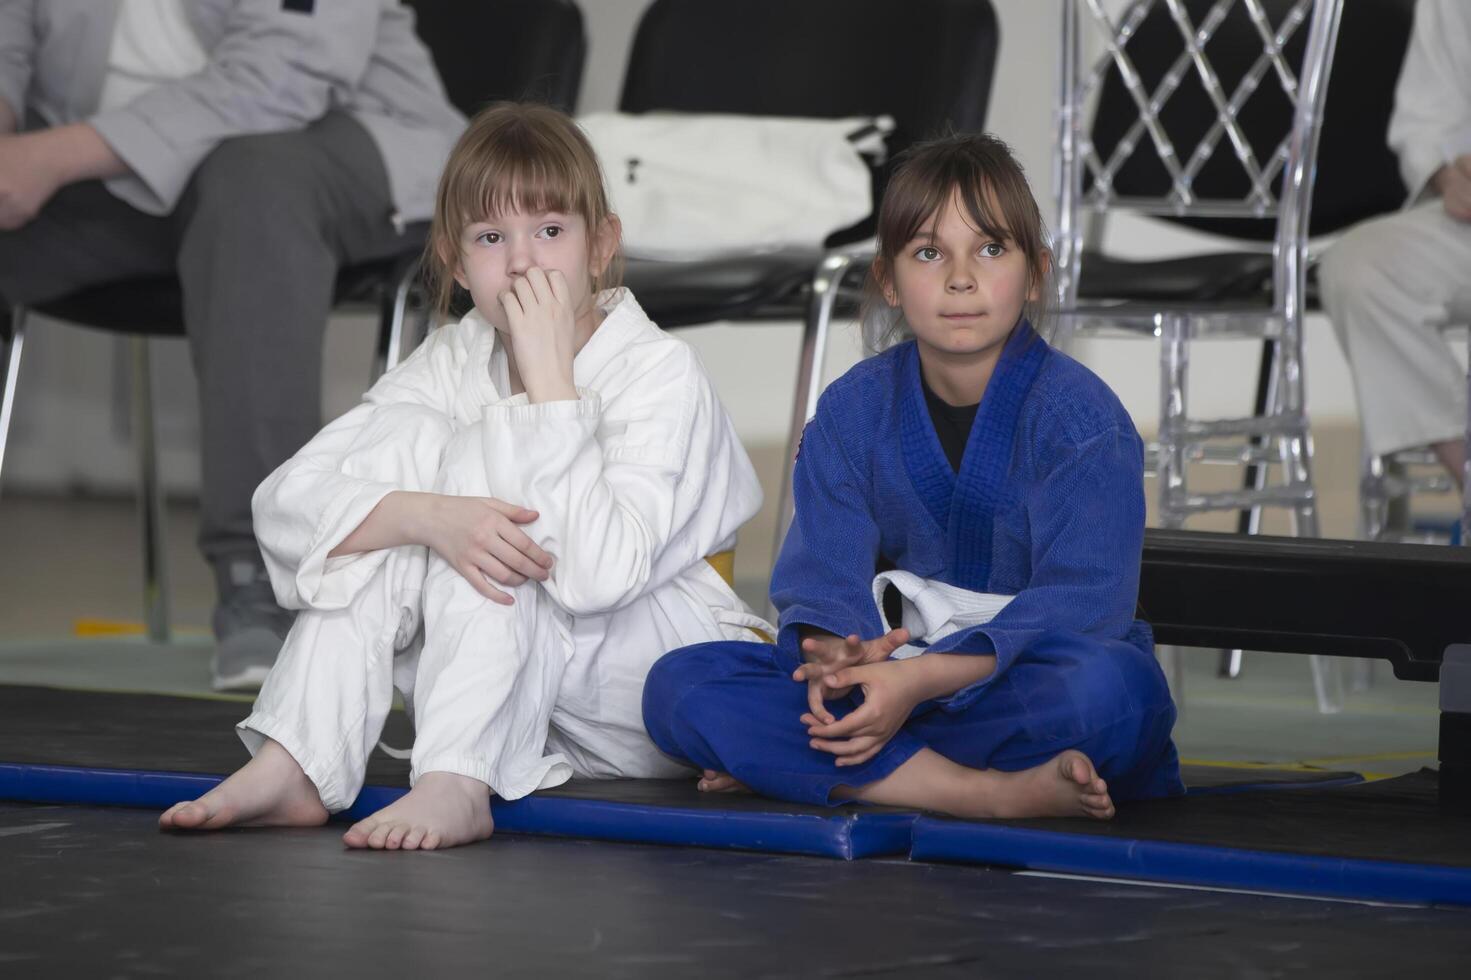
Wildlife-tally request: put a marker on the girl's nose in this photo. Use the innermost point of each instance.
(960, 282)
(519, 260)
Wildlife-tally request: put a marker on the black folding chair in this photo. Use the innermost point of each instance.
(509, 49)
(926, 63)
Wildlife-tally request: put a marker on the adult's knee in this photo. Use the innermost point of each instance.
(257, 181)
(1365, 265)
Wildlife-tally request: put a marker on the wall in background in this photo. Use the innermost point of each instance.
(71, 421)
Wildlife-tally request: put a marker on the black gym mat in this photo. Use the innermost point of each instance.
(91, 892)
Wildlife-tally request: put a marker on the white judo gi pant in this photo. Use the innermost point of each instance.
(1385, 284)
(502, 694)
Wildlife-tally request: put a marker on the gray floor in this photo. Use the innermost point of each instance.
(71, 567)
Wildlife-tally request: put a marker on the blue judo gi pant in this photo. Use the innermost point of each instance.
(733, 707)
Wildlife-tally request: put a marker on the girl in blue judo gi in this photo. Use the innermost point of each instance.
(995, 487)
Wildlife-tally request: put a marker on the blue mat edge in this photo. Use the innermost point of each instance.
(846, 836)
(938, 839)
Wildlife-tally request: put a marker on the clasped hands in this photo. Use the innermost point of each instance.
(891, 690)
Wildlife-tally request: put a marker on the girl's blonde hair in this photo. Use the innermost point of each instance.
(515, 156)
(994, 193)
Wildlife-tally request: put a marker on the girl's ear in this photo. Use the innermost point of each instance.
(1039, 275)
(605, 244)
(885, 281)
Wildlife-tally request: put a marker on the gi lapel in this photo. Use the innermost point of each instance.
(924, 458)
(987, 462)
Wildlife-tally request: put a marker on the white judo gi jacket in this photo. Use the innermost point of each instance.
(635, 484)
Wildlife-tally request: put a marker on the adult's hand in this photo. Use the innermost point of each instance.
(28, 178)
(34, 166)
(1453, 183)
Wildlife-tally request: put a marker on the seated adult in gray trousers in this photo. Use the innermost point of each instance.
(251, 147)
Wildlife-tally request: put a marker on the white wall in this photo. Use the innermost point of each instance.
(69, 417)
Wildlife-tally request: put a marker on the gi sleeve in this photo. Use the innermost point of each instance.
(17, 51)
(609, 482)
(392, 441)
(276, 68)
(1431, 123)
(1087, 524)
(824, 574)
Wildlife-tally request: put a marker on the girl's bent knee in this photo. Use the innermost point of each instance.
(671, 689)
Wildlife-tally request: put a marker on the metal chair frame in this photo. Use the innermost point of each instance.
(1284, 421)
(1386, 482)
(1279, 430)
(394, 308)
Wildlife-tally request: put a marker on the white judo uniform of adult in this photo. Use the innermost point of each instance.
(635, 483)
(1389, 281)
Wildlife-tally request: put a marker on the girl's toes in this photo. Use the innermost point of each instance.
(414, 838)
(432, 841)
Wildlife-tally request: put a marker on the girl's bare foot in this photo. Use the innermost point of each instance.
(444, 809)
(1065, 786)
(719, 782)
(268, 791)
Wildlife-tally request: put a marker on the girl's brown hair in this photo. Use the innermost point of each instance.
(515, 156)
(994, 194)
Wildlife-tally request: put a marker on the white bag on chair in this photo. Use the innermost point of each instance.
(701, 186)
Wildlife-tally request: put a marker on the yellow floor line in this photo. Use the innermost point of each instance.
(1311, 765)
(1227, 764)
(1378, 757)
(113, 627)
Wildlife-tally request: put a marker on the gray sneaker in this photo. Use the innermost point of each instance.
(249, 627)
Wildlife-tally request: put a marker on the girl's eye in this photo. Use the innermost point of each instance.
(993, 249)
(551, 231)
(488, 238)
(927, 253)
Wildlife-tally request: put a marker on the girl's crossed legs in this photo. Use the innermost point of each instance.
(1068, 733)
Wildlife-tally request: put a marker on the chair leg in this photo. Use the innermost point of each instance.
(1373, 497)
(826, 284)
(12, 376)
(1296, 455)
(1249, 521)
(391, 321)
(150, 498)
(1174, 366)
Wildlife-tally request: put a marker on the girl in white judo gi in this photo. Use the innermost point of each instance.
(511, 528)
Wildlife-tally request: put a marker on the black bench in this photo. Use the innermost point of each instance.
(1408, 604)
